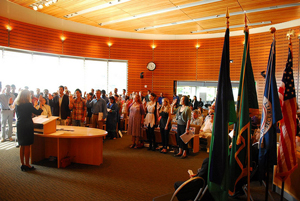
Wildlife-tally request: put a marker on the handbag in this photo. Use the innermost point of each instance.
(66, 161)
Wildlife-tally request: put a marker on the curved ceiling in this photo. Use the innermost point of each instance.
(169, 17)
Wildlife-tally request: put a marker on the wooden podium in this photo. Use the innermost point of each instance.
(44, 125)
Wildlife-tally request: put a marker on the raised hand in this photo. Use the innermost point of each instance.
(35, 103)
(50, 96)
(10, 101)
(88, 97)
(71, 99)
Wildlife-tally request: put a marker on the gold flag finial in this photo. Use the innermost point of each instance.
(227, 18)
(289, 35)
(272, 31)
(246, 25)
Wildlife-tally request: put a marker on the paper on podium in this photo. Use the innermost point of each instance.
(187, 137)
(100, 116)
(40, 119)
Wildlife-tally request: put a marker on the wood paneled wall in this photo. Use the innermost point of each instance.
(175, 59)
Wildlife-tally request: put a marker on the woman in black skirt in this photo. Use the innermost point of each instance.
(24, 111)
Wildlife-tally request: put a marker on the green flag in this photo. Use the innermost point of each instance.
(224, 113)
(247, 105)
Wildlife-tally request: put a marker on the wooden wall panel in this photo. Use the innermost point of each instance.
(175, 59)
(138, 53)
(36, 38)
(83, 45)
(3, 31)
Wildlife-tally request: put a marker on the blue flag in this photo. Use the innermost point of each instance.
(271, 114)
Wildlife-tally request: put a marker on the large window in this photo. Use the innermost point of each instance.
(47, 71)
(116, 78)
(205, 90)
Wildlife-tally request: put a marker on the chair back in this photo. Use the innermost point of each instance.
(185, 183)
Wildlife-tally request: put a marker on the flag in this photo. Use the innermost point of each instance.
(286, 157)
(271, 114)
(247, 106)
(224, 113)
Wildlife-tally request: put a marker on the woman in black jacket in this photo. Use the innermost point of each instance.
(24, 111)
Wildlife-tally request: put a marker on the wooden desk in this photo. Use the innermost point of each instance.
(83, 145)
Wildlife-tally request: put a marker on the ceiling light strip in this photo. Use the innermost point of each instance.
(221, 15)
(231, 27)
(160, 11)
(106, 5)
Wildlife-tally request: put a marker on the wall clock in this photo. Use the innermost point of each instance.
(151, 66)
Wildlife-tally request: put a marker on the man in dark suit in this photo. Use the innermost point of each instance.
(60, 106)
(190, 191)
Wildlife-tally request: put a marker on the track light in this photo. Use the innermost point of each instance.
(111, 3)
(235, 26)
(160, 11)
(221, 15)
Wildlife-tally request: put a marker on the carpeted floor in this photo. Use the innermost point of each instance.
(126, 174)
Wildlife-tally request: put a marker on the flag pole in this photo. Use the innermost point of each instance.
(289, 35)
(227, 18)
(248, 139)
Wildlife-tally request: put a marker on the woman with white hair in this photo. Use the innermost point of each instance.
(24, 111)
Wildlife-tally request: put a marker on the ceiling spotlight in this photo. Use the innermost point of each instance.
(39, 4)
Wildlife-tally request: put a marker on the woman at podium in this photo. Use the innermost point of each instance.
(24, 111)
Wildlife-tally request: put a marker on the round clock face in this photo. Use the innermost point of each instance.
(151, 66)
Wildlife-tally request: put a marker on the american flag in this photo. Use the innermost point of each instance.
(286, 158)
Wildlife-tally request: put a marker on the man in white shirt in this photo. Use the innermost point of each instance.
(60, 106)
(196, 119)
(206, 129)
(6, 113)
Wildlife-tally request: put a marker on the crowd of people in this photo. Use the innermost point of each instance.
(96, 108)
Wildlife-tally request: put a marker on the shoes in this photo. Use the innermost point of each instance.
(11, 139)
(153, 148)
(163, 151)
(31, 168)
(3, 140)
(183, 157)
(149, 148)
(139, 146)
(177, 155)
(23, 167)
(132, 146)
(26, 168)
(207, 150)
